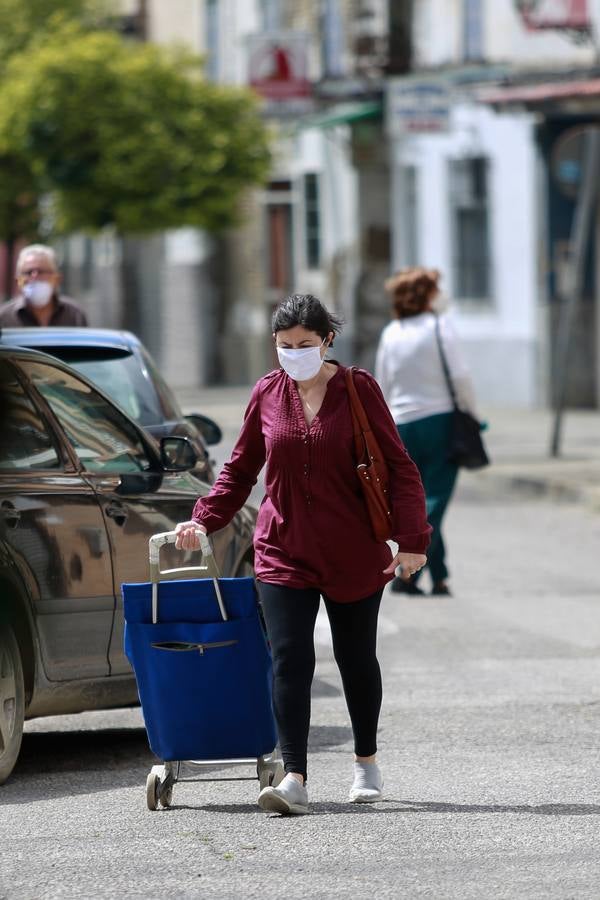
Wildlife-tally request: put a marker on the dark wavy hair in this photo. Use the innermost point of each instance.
(411, 290)
(308, 311)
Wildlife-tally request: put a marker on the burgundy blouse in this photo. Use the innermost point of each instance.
(313, 529)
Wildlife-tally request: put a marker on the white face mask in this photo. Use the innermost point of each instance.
(38, 293)
(301, 365)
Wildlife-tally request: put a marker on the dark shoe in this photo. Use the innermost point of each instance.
(441, 589)
(399, 586)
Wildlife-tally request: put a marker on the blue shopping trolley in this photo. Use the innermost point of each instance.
(203, 671)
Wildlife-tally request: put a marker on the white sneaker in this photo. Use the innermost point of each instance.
(367, 785)
(290, 798)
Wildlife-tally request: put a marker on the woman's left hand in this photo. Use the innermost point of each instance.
(409, 563)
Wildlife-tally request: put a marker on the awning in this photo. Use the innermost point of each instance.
(343, 114)
(548, 92)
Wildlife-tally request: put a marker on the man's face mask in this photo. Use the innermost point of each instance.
(38, 293)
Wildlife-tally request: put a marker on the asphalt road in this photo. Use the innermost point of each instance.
(490, 740)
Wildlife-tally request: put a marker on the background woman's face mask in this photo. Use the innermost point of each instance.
(303, 364)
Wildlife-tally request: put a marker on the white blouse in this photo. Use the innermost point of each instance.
(409, 370)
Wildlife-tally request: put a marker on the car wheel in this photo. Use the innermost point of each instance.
(12, 701)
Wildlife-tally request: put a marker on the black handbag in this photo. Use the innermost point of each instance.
(466, 444)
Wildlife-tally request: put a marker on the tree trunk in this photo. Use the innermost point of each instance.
(130, 286)
(9, 272)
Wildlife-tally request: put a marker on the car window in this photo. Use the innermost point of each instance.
(171, 409)
(24, 439)
(101, 436)
(119, 374)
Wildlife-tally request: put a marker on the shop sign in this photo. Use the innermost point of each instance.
(278, 65)
(418, 106)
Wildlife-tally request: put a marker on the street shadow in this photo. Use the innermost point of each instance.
(534, 809)
(105, 758)
(322, 737)
(113, 755)
(398, 807)
(322, 688)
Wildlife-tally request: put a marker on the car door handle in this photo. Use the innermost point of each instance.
(9, 514)
(117, 512)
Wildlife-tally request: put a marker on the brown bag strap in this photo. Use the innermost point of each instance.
(359, 416)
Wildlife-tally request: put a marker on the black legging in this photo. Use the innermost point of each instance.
(290, 615)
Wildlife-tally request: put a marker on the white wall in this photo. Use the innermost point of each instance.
(325, 152)
(184, 22)
(436, 32)
(506, 38)
(438, 37)
(501, 338)
(178, 21)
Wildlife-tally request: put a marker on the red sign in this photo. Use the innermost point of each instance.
(277, 65)
(558, 14)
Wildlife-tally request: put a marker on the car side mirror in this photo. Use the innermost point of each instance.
(207, 427)
(177, 454)
(132, 484)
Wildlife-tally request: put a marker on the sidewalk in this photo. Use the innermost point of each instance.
(519, 446)
(518, 442)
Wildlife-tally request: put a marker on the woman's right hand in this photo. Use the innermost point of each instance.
(187, 535)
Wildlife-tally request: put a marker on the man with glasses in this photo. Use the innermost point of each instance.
(39, 302)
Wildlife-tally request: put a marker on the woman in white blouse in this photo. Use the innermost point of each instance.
(409, 370)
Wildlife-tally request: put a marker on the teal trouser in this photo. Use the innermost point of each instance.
(426, 441)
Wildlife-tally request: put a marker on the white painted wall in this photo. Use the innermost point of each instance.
(184, 22)
(506, 38)
(325, 152)
(438, 37)
(176, 22)
(502, 339)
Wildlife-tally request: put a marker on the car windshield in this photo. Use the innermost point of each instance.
(119, 374)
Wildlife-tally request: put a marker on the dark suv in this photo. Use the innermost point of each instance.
(82, 488)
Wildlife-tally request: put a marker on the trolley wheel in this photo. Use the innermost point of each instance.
(166, 798)
(152, 783)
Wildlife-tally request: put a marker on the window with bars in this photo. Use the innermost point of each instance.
(469, 209)
(312, 220)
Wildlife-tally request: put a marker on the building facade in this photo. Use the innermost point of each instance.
(204, 304)
(475, 194)
(405, 132)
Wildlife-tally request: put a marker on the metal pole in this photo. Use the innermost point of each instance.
(575, 273)
(142, 19)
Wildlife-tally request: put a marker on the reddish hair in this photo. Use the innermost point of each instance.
(411, 290)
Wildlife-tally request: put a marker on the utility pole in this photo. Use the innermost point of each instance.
(583, 219)
(142, 19)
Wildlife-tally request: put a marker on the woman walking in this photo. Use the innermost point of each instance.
(409, 369)
(313, 536)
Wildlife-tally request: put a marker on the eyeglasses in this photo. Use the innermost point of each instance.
(28, 273)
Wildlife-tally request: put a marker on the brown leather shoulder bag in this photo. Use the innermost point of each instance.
(371, 467)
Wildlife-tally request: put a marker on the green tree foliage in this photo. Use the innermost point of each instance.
(24, 27)
(128, 135)
(27, 24)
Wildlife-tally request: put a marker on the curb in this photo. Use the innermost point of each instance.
(561, 490)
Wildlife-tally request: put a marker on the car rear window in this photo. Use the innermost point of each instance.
(119, 374)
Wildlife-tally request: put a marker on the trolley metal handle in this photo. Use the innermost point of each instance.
(168, 537)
